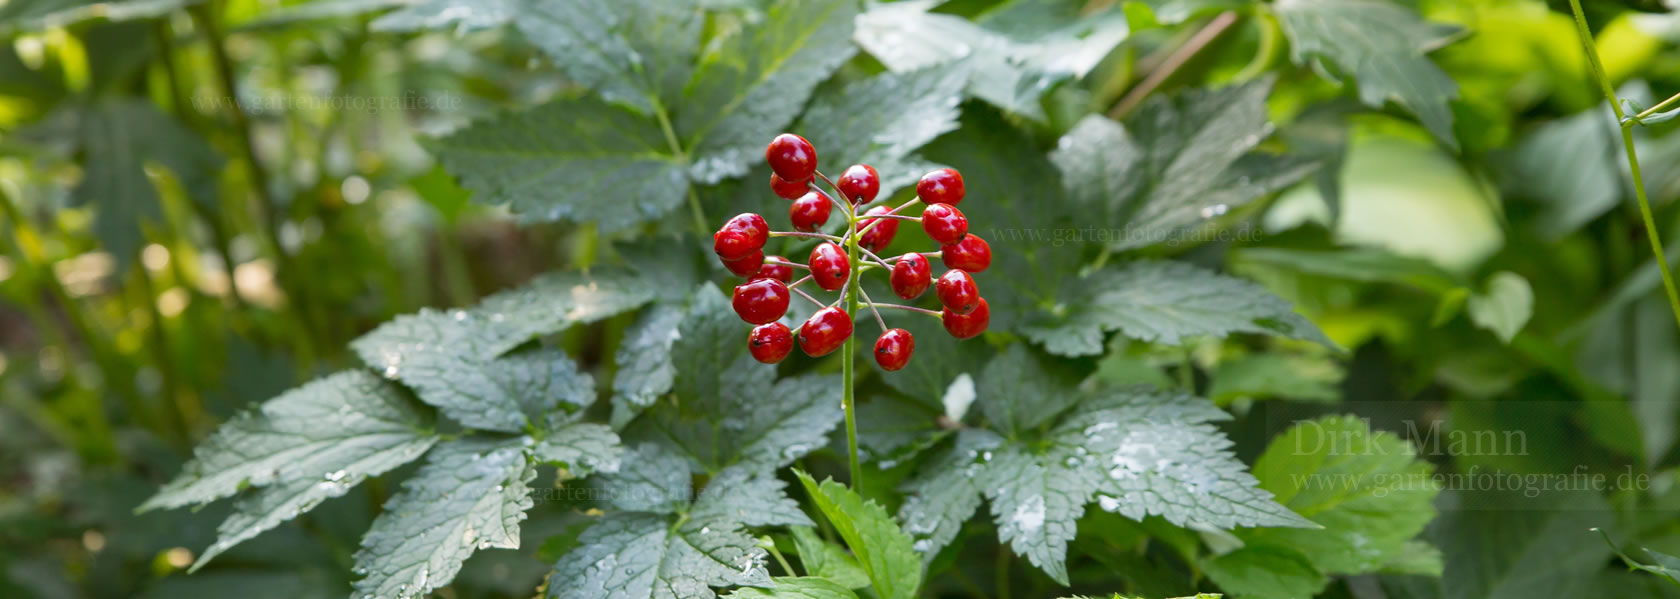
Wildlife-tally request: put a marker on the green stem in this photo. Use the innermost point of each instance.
(1179, 57)
(846, 361)
(1651, 232)
(1661, 106)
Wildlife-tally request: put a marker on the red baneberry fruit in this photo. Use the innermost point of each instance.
(878, 238)
(825, 331)
(911, 275)
(957, 291)
(944, 224)
(779, 272)
(893, 349)
(746, 266)
(972, 254)
(963, 326)
(809, 212)
(769, 343)
(943, 186)
(791, 157)
(740, 236)
(761, 301)
(786, 189)
(860, 183)
(829, 266)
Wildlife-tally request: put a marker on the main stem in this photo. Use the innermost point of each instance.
(850, 349)
(1633, 157)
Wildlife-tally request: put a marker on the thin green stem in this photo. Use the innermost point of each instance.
(826, 236)
(853, 284)
(1645, 215)
(1179, 57)
(780, 559)
(1661, 106)
(871, 303)
(933, 313)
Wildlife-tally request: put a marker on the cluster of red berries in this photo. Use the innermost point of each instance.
(764, 298)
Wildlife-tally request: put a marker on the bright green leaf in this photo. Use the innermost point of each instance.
(882, 549)
(1505, 307)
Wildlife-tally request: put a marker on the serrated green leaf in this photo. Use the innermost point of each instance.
(1020, 390)
(645, 368)
(827, 560)
(884, 551)
(635, 53)
(431, 349)
(796, 588)
(1265, 573)
(582, 447)
(333, 431)
(510, 394)
(1178, 162)
(746, 90)
(1013, 56)
(1382, 46)
(1162, 302)
(719, 417)
(1505, 307)
(880, 121)
(1368, 490)
(471, 494)
(651, 551)
(1160, 457)
(462, 16)
(118, 137)
(1037, 499)
(577, 159)
(947, 492)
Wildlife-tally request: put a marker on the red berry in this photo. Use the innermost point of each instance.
(972, 254)
(878, 238)
(943, 186)
(769, 343)
(957, 291)
(740, 236)
(809, 212)
(911, 275)
(825, 331)
(761, 301)
(788, 189)
(893, 349)
(860, 183)
(779, 272)
(747, 266)
(791, 157)
(963, 326)
(944, 224)
(829, 266)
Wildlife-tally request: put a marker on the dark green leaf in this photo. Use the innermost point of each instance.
(882, 549)
(879, 121)
(796, 588)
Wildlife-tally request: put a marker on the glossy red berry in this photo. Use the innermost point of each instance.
(963, 326)
(860, 183)
(957, 291)
(791, 157)
(740, 236)
(788, 189)
(911, 275)
(893, 349)
(943, 186)
(771, 270)
(972, 254)
(944, 224)
(829, 266)
(748, 266)
(809, 212)
(770, 343)
(761, 301)
(877, 238)
(825, 331)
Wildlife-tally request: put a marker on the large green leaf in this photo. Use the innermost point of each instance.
(1013, 56)
(796, 588)
(1177, 163)
(663, 544)
(645, 368)
(1382, 45)
(746, 89)
(884, 551)
(1163, 302)
(636, 53)
(471, 494)
(578, 159)
(881, 120)
(43, 14)
(332, 432)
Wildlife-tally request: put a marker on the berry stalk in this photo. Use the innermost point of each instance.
(846, 364)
